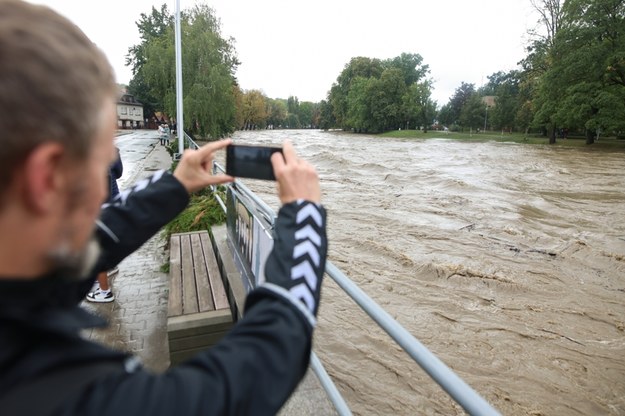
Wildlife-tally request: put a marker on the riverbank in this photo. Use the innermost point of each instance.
(489, 136)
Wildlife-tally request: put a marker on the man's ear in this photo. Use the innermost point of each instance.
(44, 177)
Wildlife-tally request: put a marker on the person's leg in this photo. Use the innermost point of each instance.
(103, 281)
(103, 293)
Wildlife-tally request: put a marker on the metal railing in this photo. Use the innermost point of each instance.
(459, 391)
(188, 143)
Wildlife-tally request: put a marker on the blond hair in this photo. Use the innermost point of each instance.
(54, 83)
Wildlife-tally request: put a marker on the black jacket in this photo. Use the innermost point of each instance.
(252, 370)
(116, 171)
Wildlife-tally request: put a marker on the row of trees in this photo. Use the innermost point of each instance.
(372, 95)
(573, 77)
(213, 102)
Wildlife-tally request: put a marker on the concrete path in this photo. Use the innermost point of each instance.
(138, 316)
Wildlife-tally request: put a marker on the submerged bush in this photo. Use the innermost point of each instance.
(202, 213)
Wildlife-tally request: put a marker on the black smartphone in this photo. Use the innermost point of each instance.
(254, 162)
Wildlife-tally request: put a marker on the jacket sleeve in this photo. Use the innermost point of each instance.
(251, 371)
(117, 168)
(137, 214)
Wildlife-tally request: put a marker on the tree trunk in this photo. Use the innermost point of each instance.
(590, 136)
(552, 136)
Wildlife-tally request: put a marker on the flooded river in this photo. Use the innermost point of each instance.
(507, 261)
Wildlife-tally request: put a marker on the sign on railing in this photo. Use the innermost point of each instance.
(250, 233)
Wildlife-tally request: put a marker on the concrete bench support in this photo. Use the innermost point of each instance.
(199, 312)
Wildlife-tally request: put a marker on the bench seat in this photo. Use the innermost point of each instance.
(199, 313)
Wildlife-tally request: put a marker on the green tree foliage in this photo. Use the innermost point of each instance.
(293, 120)
(277, 113)
(306, 113)
(357, 67)
(505, 88)
(371, 95)
(254, 110)
(473, 113)
(208, 66)
(584, 88)
(457, 102)
(151, 26)
(326, 116)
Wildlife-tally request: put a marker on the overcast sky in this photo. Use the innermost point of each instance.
(289, 47)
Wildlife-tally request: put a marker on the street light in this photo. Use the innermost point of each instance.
(485, 118)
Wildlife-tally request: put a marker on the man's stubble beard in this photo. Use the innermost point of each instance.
(74, 265)
(67, 262)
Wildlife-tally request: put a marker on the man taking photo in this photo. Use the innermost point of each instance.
(57, 124)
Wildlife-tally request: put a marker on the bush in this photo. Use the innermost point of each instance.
(202, 213)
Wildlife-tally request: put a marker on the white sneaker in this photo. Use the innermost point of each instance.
(101, 296)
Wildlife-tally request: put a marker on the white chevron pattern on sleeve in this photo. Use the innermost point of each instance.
(309, 242)
(307, 247)
(309, 210)
(309, 233)
(305, 270)
(142, 184)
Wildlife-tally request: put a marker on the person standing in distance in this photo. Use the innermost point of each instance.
(102, 292)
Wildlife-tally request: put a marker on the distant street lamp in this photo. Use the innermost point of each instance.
(485, 118)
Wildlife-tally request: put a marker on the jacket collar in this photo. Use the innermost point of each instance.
(49, 303)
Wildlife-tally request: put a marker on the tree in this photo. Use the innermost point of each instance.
(208, 66)
(151, 26)
(277, 112)
(505, 88)
(254, 110)
(357, 67)
(326, 116)
(457, 102)
(539, 61)
(374, 96)
(473, 112)
(585, 86)
(305, 114)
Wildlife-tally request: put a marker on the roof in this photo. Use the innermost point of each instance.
(128, 99)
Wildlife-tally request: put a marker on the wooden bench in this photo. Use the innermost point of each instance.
(199, 312)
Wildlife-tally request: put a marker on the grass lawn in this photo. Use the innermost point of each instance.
(489, 136)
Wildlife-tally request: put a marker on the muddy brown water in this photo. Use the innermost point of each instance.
(505, 260)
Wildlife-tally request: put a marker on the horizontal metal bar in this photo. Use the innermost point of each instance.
(460, 391)
(326, 382)
(192, 144)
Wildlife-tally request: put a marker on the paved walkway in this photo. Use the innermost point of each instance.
(138, 316)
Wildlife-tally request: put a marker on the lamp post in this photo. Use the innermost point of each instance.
(179, 115)
(485, 118)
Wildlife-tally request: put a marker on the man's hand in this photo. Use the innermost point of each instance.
(195, 168)
(297, 179)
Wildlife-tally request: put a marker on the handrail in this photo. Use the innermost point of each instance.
(328, 385)
(192, 144)
(460, 391)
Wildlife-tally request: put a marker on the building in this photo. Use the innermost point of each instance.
(489, 100)
(129, 113)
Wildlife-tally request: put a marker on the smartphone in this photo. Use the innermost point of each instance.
(250, 161)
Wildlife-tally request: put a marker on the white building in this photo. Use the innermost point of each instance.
(129, 113)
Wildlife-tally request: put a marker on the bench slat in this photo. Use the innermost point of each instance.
(216, 284)
(175, 288)
(205, 299)
(189, 291)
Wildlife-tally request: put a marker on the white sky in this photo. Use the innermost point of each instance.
(288, 47)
